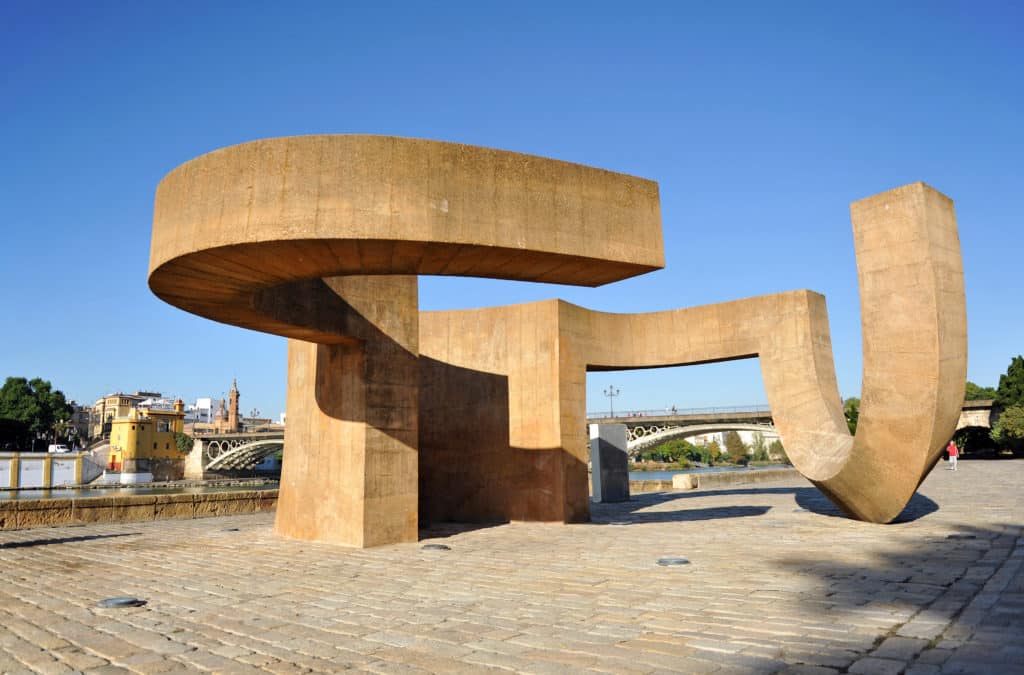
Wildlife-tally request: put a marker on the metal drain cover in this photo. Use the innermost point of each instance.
(126, 601)
(668, 562)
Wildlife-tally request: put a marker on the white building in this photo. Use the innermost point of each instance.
(156, 403)
(202, 412)
(748, 438)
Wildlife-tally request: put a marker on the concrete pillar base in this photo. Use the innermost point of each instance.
(351, 468)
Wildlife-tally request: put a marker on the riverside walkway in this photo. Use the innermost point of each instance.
(776, 582)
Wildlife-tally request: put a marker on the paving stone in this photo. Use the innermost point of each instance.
(934, 657)
(899, 648)
(78, 659)
(794, 593)
(873, 666)
(923, 669)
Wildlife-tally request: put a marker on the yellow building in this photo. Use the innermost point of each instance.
(111, 407)
(142, 444)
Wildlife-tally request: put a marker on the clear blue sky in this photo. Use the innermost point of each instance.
(760, 121)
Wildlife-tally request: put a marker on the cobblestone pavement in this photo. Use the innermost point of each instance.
(776, 583)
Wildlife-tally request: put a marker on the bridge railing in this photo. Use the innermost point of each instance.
(673, 412)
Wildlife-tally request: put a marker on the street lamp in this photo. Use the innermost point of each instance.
(611, 392)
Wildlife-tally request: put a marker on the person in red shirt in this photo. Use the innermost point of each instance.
(953, 452)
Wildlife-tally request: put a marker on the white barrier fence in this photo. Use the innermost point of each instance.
(42, 470)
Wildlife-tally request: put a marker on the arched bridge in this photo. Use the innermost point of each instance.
(648, 428)
(231, 452)
(641, 438)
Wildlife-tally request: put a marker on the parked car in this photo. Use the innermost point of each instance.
(60, 447)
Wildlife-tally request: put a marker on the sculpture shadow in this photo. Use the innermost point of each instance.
(903, 579)
(50, 541)
(638, 517)
(809, 498)
(815, 501)
(469, 470)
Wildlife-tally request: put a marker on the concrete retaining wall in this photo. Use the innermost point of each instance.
(636, 486)
(19, 514)
(690, 481)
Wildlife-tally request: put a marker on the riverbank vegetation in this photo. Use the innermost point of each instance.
(32, 414)
(679, 455)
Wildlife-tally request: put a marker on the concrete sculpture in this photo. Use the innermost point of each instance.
(396, 416)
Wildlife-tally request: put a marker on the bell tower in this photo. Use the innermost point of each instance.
(234, 421)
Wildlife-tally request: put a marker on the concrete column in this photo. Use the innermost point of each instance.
(350, 472)
(609, 462)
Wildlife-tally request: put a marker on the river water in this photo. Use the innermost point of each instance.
(77, 493)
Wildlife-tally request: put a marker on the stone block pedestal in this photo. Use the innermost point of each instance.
(610, 462)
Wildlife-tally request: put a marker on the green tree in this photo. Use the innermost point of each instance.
(757, 441)
(736, 448)
(851, 410)
(973, 392)
(36, 403)
(1011, 384)
(714, 451)
(972, 439)
(677, 451)
(776, 451)
(183, 442)
(1009, 428)
(759, 448)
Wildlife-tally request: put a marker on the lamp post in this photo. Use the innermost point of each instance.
(611, 392)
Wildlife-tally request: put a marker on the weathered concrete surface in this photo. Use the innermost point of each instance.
(351, 474)
(283, 235)
(526, 367)
(277, 235)
(770, 587)
(233, 229)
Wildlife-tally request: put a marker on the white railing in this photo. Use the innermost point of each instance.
(681, 412)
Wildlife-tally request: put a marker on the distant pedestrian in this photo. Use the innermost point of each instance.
(953, 453)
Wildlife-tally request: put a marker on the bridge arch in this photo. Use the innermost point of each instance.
(641, 438)
(231, 452)
(242, 455)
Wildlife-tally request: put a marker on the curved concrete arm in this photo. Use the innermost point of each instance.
(914, 327)
(237, 232)
(915, 348)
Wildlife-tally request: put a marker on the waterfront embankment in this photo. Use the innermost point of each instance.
(691, 480)
(55, 512)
